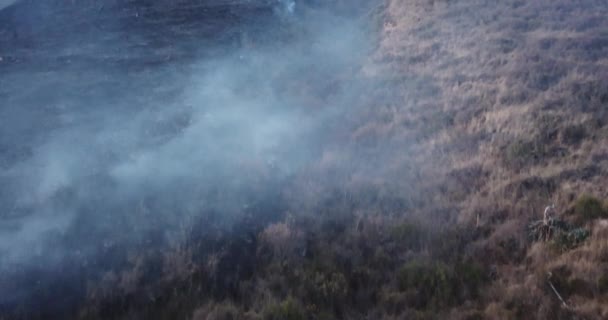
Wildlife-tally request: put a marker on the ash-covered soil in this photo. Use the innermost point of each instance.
(95, 68)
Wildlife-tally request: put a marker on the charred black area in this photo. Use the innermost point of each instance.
(74, 72)
(105, 39)
(59, 290)
(39, 25)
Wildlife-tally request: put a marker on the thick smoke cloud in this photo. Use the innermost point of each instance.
(95, 156)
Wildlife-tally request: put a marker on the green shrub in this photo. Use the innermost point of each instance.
(324, 315)
(393, 302)
(521, 153)
(221, 311)
(438, 285)
(471, 277)
(380, 259)
(448, 244)
(566, 240)
(408, 234)
(573, 135)
(432, 282)
(602, 284)
(324, 288)
(287, 310)
(589, 208)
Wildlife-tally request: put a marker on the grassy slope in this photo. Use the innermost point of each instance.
(481, 114)
(521, 106)
(521, 94)
(485, 113)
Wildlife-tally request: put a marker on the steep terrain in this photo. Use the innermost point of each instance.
(490, 112)
(518, 122)
(421, 197)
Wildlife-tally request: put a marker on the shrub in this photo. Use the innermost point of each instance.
(566, 240)
(439, 285)
(223, 311)
(327, 289)
(287, 310)
(573, 135)
(282, 239)
(394, 302)
(589, 208)
(563, 235)
(471, 277)
(431, 280)
(409, 234)
(449, 244)
(602, 284)
(521, 153)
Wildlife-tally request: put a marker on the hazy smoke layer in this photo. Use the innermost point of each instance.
(131, 128)
(6, 3)
(288, 5)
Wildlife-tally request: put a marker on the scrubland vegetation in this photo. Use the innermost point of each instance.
(481, 113)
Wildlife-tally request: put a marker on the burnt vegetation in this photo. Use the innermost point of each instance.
(422, 199)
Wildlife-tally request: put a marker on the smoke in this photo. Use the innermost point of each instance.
(289, 6)
(6, 3)
(97, 152)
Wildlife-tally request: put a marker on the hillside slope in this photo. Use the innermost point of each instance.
(521, 93)
(481, 115)
(422, 198)
(517, 120)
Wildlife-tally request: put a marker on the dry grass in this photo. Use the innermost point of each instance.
(524, 86)
(487, 112)
(283, 239)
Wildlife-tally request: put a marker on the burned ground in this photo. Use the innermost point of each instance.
(413, 198)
